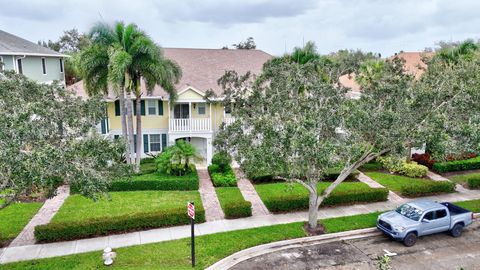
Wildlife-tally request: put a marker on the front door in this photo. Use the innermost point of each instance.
(181, 111)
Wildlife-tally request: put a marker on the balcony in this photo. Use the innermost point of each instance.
(190, 125)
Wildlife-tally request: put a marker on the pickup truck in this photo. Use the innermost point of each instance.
(423, 217)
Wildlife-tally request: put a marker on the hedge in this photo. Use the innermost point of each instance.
(222, 179)
(473, 183)
(427, 188)
(331, 175)
(299, 200)
(457, 165)
(64, 231)
(232, 202)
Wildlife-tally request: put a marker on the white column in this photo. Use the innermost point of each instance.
(210, 117)
(190, 115)
(168, 108)
(209, 151)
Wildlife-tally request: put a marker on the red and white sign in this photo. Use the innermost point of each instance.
(191, 210)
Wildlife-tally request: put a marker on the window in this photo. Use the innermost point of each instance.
(155, 143)
(1, 63)
(441, 213)
(61, 65)
(152, 107)
(201, 108)
(19, 66)
(44, 66)
(429, 215)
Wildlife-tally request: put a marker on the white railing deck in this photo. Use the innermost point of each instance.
(228, 120)
(190, 124)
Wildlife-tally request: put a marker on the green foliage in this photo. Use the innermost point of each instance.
(473, 183)
(330, 175)
(371, 166)
(232, 202)
(177, 159)
(471, 180)
(471, 205)
(222, 178)
(384, 262)
(409, 169)
(457, 165)
(281, 197)
(14, 218)
(157, 181)
(411, 187)
(223, 160)
(46, 139)
(132, 222)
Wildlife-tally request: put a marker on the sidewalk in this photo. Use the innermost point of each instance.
(12, 254)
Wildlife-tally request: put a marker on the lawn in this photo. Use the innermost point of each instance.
(371, 166)
(77, 207)
(411, 187)
(210, 248)
(470, 180)
(473, 205)
(282, 197)
(14, 217)
(157, 181)
(233, 203)
(80, 217)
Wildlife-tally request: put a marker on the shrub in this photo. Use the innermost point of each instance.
(413, 169)
(222, 160)
(331, 175)
(457, 165)
(426, 188)
(177, 159)
(423, 159)
(299, 201)
(233, 203)
(473, 183)
(410, 169)
(222, 179)
(63, 231)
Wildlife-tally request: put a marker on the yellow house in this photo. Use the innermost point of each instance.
(190, 117)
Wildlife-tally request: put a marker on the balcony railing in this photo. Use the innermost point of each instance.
(228, 120)
(190, 124)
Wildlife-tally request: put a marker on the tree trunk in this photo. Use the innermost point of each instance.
(313, 210)
(409, 153)
(139, 133)
(124, 122)
(130, 127)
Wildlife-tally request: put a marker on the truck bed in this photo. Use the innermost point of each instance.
(455, 209)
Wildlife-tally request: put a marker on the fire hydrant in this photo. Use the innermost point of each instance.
(108, 256)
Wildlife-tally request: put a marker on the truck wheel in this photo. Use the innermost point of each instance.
(410, 239)
(457, 230)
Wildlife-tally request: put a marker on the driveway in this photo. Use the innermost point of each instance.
(431, 252)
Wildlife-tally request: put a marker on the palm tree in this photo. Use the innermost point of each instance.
(463, 51)
(131, 56)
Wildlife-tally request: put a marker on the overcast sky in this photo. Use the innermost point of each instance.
(277, 25)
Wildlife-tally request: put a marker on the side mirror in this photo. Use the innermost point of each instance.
(426, 220)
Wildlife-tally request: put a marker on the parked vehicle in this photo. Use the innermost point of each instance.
(423, 217)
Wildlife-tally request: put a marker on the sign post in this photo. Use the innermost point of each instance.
(191, 214)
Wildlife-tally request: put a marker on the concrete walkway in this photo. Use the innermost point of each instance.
(437, 177)
(12, 254)
(392, 197)
(43, 216)
(213, 210)
(250, 194)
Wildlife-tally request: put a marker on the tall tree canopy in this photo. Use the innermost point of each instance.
(248, 44)
(294, 124)
(46, 141)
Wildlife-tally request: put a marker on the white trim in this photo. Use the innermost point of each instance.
(193, 89)
(34, 54)
(43, 62)
(155, 104)
(21, 64)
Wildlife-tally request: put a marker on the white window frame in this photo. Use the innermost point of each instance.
(150, 142)
(155, 105)
(19, 61)
(62, 67)
(204, 107)
(44, 65)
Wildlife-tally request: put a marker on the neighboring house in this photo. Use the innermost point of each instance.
(191, 117)
(30, 59)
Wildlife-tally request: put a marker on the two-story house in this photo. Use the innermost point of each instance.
(190, 117)
(30, 59)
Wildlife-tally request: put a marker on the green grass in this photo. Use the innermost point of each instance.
(472, 205)
(371, 166)
(282, 189)
(410, 187)
(228, 195)
(462, 179)
(14, 217)
(233, 203)
(209, 248)
(148, 167)
(78, 208)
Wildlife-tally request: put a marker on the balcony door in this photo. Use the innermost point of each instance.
(181, 111)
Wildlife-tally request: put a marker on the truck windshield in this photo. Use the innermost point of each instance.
(410, 212)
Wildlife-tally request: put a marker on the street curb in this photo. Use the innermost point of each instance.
(255, 251)
(240, 256)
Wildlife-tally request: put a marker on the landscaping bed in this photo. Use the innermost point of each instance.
(157, 181)
(14, 218)
(225, 178)
(283, 197)
(457, 165)
(331, 175)
(80, 217)
(411, 187)
(469, 180)
(233, 203)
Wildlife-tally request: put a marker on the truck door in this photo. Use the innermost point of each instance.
(435, 221)
(442, 219)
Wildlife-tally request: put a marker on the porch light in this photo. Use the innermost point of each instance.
(108, 256)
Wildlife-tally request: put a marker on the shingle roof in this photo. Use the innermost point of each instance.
(413, 65)
(13, 45)
(201, 68)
